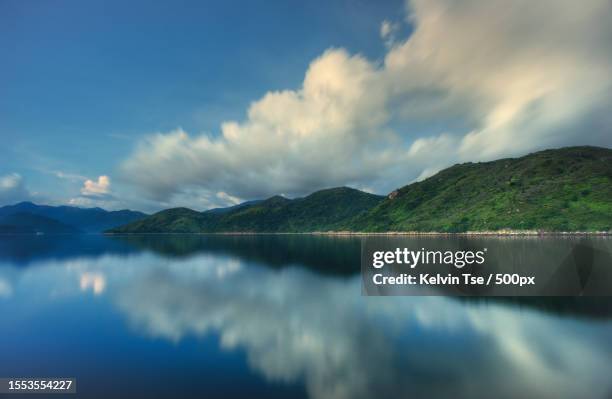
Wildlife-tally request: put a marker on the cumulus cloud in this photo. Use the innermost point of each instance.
(97, 188)
(97, 193)
(474, 81)
(12, 189)
(292, 142)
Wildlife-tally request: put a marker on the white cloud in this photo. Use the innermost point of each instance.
(97, 193)
(12, 189)
(388, 32)
(531, 74)
(385, 29)
(97, 188)
(292, 142)
(474, 81)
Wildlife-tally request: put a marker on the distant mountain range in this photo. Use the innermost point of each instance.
(28, 223)
(29, 218)
(567, 189)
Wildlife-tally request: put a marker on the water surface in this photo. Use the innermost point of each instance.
(279, 316)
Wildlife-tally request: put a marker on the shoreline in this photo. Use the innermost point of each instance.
(500, 233)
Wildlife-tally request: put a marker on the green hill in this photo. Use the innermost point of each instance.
(175, 220)
(321, 211)
(568, 189)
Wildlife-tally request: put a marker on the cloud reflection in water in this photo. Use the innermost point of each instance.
(298, 326)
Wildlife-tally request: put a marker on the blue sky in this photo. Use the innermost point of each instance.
(137, 93)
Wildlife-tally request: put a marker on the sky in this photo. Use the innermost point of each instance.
(149, 105)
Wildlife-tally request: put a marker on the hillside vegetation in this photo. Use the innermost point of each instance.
(568, 189)
(321, 211)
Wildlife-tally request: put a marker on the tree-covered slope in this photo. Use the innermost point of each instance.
(175, 220)
(321, 211)
(568, 189)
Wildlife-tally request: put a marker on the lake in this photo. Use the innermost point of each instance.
(281, 316)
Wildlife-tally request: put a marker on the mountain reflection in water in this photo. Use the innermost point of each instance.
(292, 306)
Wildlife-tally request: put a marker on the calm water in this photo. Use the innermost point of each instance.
(280, 316)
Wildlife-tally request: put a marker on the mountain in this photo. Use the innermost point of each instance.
(233, 208)
(321, 211)
(175, 220)
(89, 220)
(567, 189)
(27, 223)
